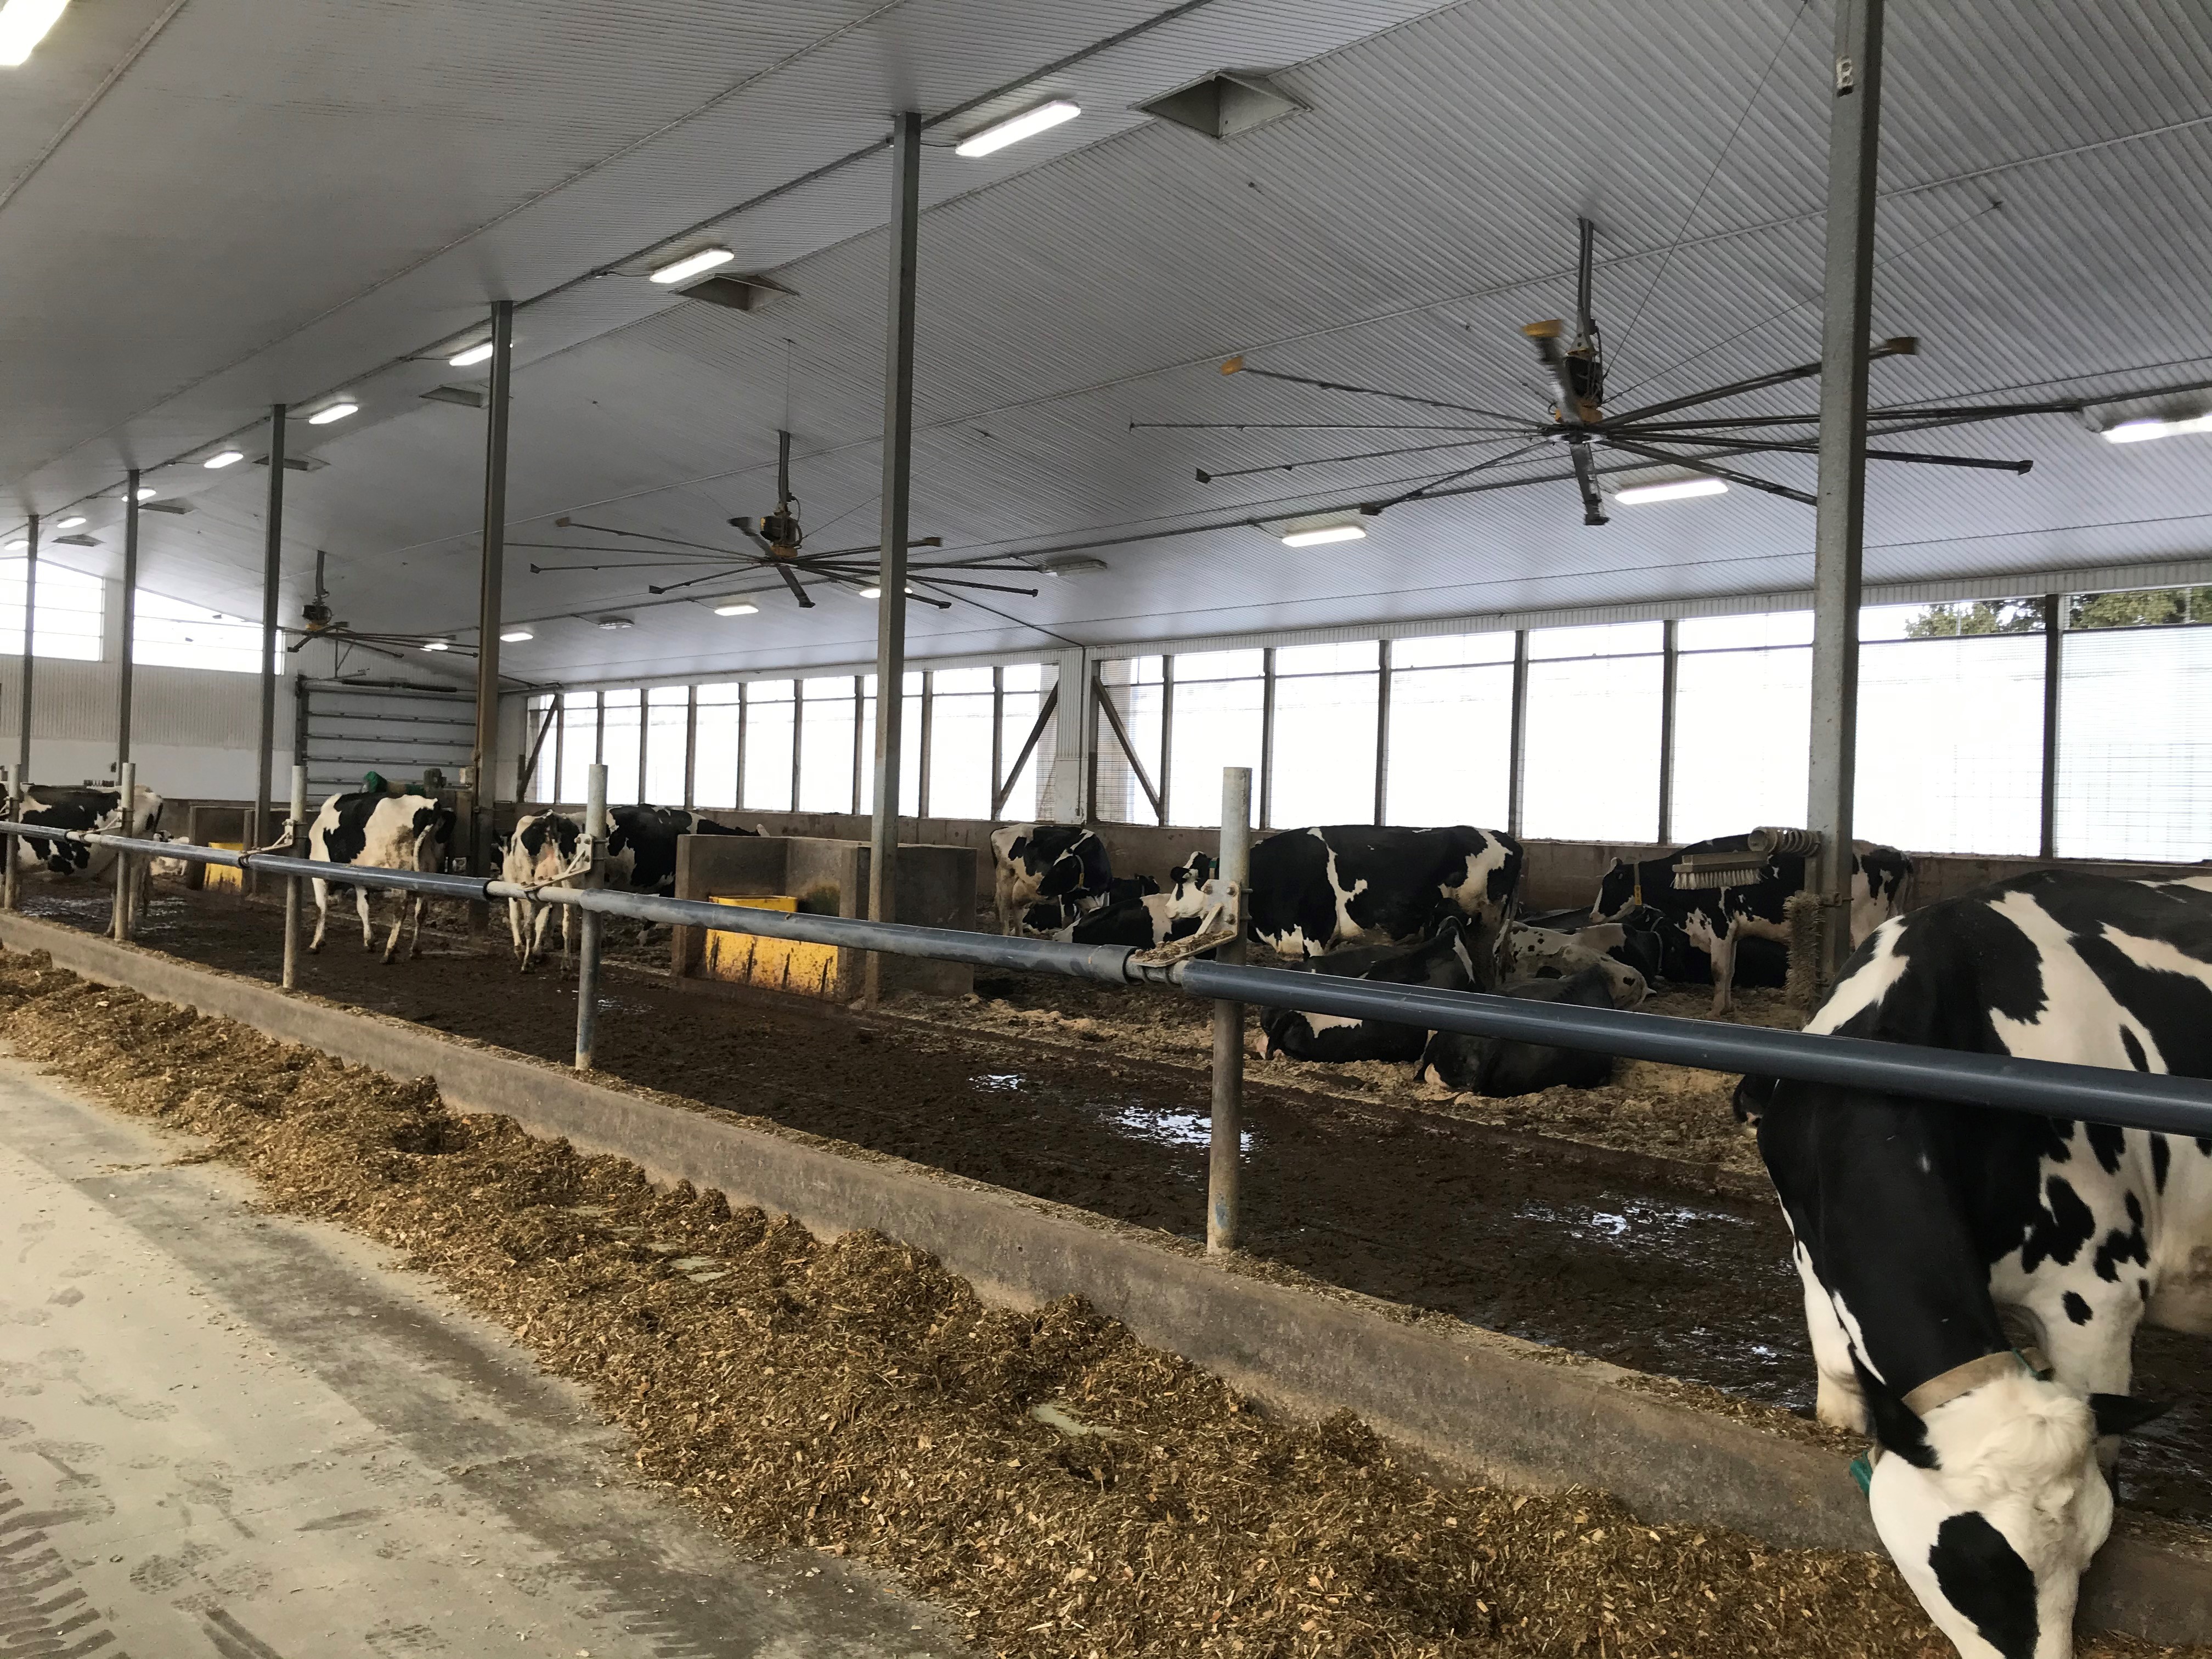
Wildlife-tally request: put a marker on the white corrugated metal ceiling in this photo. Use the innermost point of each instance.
(216, 205)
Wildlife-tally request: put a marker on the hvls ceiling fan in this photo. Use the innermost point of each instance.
(322, 623)
(779, 545)
(1658, 434)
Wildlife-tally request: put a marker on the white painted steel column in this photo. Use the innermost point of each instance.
(126, 784)
(587, 950)
(272, 559)
(1227, 1129)
(483, 793)
(296, 830)
(898, 478)
(1854, 128)
(128, 650)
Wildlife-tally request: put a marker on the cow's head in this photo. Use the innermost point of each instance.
(1994, 1519)
(1616, 892)
(1189, 887)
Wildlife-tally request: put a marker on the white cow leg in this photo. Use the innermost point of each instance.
(1723, 961)
(2097, 1357)
(368, 924)
(517, 928)
(322, 911)
(398, 927)
(1840, 1403)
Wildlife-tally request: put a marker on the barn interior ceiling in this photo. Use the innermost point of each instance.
(208, 206)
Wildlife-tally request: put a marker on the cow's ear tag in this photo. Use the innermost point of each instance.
(1863, 1473)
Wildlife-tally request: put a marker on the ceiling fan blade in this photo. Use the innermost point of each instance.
(791, 581)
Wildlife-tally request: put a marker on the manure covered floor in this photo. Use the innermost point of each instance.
(227, 1432)
(1634, 1260)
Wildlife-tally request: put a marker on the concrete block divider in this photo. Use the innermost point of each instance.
(1476, 1401)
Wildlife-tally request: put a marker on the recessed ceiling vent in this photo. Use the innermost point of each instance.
(467, 397)
(178, 507)
(1224, 104)
(737, 293)
(78, 540)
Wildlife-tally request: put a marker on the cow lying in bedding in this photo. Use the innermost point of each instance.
(1919, 1225)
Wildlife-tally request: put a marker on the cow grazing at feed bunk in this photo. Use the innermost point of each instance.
(378, 831)
(1918, 1226)
(1034, 864)
(1320, 889)
(542, 852)
(64, 807)
(1719, 921)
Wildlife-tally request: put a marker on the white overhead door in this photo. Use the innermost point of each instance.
(351, 727)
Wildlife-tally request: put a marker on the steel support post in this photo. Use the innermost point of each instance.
(690, 747)
(272, 556)
(2054, 662)
(483, 757)
(126, 784)
(30, 612)
(10, 890)
(1382, 732)
(1517, 740)
(295, 829)
(1854, 128)
(1266, 801)
(898, 479)
(130, 642)
(1165, 804)
(1226, 1128)
(1670, 666)
(587, 947)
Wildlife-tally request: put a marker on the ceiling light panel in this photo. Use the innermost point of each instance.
(23, 24)
(1029, 122)
(693, 264)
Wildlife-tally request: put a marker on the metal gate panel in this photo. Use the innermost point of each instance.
(399, 728)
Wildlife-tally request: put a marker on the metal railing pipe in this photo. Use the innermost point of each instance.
(2136, 1100)
(2154, 1101)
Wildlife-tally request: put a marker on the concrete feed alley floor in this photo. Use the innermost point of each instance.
(233, 1434)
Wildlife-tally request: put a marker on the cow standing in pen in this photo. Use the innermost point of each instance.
(1919, 1226)
(1718, 921)
(641, 845)
(1321, 889)
(541, 852)
(86, 809)
(1034, 863)
(381, 832)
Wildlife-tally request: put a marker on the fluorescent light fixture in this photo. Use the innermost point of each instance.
(472, 356)
(737, 608)
(146, 492)
(23, 24)
(691, 265)
(1332, 532)
(1675, 489)
(436, 645)
(1014, 129)
(19, 546)
(74, 521)
(334, 412)
(223, 458)
(2136, 432)
(516, 636)
(613, 624)
(872, 593)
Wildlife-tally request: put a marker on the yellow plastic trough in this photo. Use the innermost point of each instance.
(773, 965)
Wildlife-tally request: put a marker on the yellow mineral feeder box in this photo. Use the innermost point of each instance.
(223, 878)
(773, 965)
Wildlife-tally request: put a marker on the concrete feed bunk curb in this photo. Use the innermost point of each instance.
(1476, 1400)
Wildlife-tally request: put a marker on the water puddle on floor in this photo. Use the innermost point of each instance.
(1131, 1118)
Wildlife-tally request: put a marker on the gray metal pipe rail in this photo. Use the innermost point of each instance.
(2157, 1102)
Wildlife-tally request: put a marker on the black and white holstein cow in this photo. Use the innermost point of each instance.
(1919, 1225)
(541, 852)
(1718, 920)
(641, 845)
(1501, 1067)
(379, 832)
(1442, 962)
(1548, 953)
(1322, 890)
(92, 809)
(1047, 863)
